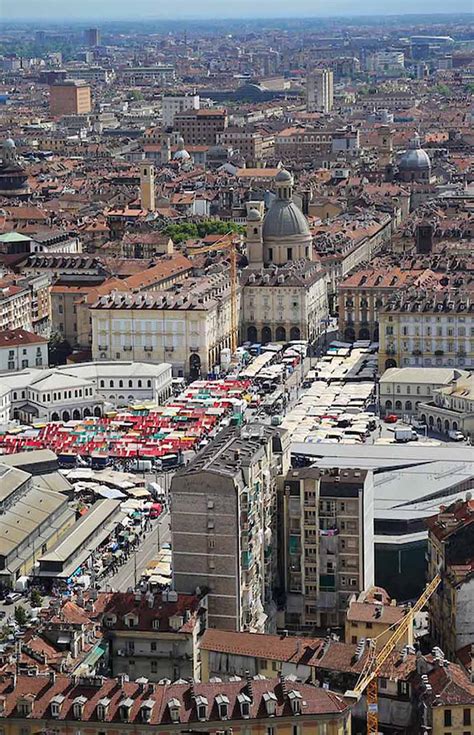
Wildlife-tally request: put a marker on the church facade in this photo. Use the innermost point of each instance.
(284, 294)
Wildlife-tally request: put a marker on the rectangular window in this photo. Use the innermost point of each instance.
(447, 718)
(466, 717)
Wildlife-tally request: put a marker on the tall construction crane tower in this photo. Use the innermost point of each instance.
(367, 682)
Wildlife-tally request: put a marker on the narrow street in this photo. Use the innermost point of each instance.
(129, 573)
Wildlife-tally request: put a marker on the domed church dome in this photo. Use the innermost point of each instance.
(181, 154)
(415, 163)
(284, 218)
(286, 234)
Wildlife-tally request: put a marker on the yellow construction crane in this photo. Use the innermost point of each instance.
(223, 245)
(367, 681)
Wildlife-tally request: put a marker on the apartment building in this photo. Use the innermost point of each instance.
(15, 306)
(450, 545)
(362, 294)
(70, 97)
(152, 636)
(303, 144)
(201, 127)
(249, 143)
(186, 325)
(51, 702)
(327, 543)
(173, 104)
(320, 91)
(146, 75)
(223, 526)
(434, 329)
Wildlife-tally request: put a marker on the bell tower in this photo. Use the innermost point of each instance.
(165, 150)
(147, 186)
(254, 236)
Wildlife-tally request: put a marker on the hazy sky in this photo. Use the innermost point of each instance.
(141, 9)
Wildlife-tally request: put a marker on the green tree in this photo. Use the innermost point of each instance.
(20, 615)
(182, 231)
(58, 349)
(36, 598)
(443, 89)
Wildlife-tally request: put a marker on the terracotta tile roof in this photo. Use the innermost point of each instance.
(342, 657)
(257, 173)
(167, 266)
(450, 684)
(365, 612)
(70, 613)
(12, 337)
(120, 604)
(41, 690)
(451, 519)
(259, 645)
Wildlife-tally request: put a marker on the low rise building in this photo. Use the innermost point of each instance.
(223, 526)
(153, 636)
(59, 562)
(452, 406)
(33, 519)
(100, 705)
(403, 390)
(80, 390)
(373, 614)
(226, 654)
(327, 543)
(20, 349)
(443, 696)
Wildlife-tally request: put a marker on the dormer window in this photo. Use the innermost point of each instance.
(102, 708)
(25, 707)
(146, 710)
(110, 620)
(131, 621)
(124, 709)
(223, 706)
(56, 703)
(78, 707)
(156, 624)
(201, 708)
(270, 703)
(173, 707)
(244, 702)
(295, 701)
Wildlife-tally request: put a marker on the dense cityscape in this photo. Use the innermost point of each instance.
(237, 375)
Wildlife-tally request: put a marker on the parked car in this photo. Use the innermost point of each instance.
(13, 597)
(456, 436)
(390, 418)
